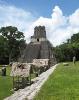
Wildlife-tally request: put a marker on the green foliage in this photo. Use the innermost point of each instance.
(66, 51)
(11, 43)
(63, 84)
(75, 38)
(3, 50)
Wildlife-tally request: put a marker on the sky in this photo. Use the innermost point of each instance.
(60, 17)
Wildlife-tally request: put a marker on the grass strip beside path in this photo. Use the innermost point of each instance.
(63, 84)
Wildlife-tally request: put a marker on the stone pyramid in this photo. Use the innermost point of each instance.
(38, 48)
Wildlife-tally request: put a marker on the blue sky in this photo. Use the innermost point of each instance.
(60, 17)
(44, 7)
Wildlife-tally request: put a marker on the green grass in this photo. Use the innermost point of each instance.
(63, 84)
(5, 85)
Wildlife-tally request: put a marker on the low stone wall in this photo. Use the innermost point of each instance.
(30, 91)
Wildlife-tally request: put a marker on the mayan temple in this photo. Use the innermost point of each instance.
(39, 47)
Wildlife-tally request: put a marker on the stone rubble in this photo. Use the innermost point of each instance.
(29, 92)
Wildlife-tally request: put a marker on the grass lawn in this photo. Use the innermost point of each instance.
(63, 84)
(5, 85)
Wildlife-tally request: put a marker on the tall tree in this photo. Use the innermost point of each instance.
(14, 38)
(67, 50)
(3, 50)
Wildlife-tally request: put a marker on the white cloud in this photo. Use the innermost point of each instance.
(57, 17)
(10, 15)
(58, 27)
(74, 19)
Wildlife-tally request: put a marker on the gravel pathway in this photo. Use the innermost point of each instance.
(30, 91)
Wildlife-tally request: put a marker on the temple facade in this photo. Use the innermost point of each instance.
(39, 47)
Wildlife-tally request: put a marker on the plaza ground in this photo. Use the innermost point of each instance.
(63, 84)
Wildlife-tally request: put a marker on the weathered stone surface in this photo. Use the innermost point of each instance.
(38, 48)
(40, 62)
(39, 32)
(20, 69)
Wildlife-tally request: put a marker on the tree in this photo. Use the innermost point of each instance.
(3, 50)
(14, 38)
(75, 38)
(67, 50)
